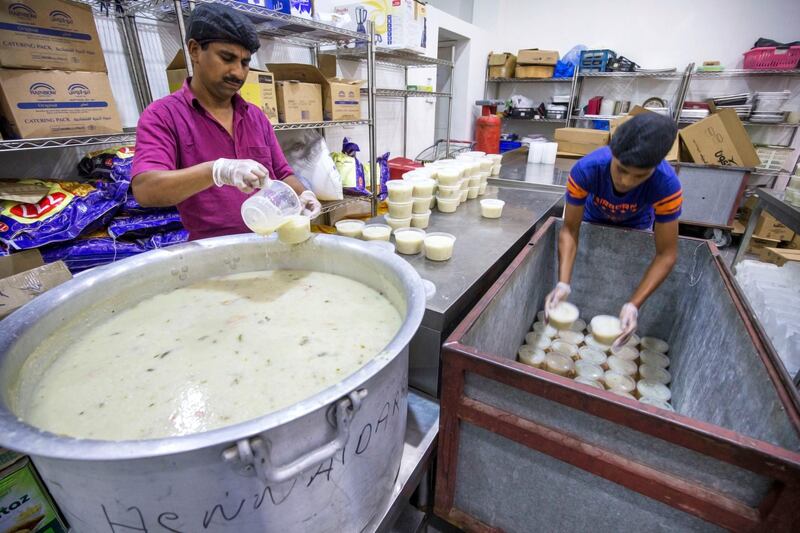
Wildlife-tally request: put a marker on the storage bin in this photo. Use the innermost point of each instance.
(514, 440)
(771, 57)
(596, 60)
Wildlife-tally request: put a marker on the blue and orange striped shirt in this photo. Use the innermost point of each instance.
(658, 199)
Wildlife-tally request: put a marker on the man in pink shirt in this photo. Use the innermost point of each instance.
(203, 148)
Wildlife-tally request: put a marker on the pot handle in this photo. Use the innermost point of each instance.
(253, 455)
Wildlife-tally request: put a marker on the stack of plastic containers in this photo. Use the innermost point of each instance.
(774, 294)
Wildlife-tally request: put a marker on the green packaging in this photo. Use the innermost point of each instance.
(25, 506)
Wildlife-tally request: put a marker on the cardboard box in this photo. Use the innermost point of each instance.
(794, 244)
(502, 65)
(580, 141)
(720, 140)
(399, 24)
(24, 276)
(534, 56)
(779, 256)
(258, 88)
(674, 152)
(26, 505)
(49, 34)
(341, 98)
(299, 102)
(757, 244)
(54, 103)
(768, 227)
(533, 71)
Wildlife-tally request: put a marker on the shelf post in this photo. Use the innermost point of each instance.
(373, 177)
(405, 111)
(450, 100)
(134, 57)
(182, 33)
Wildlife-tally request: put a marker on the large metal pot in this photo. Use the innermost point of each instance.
(327, 463)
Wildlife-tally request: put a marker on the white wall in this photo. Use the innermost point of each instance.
(651, 32)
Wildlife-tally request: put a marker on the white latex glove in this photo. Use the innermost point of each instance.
(629, 319)
(556, 296)
(244, 174)
(311, 206)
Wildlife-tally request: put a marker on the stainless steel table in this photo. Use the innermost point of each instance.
(786, 214)
(483, 249)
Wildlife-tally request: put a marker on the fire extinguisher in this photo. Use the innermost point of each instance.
(488, 127)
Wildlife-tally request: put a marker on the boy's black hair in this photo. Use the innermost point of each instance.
(644, 140)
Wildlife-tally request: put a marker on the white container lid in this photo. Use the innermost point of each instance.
(655, 373)
(590, 341)
(653, 389)
(624, 394)
(615, 380)
(572, 337)
(579, 326)
(558, 363)
(531, 355)
(537, 340)
(544, 329)
(626, 352)
(587, 353)
(561, 346)
(649, 357)
(623, 366)
(655, 344)
(589, 370)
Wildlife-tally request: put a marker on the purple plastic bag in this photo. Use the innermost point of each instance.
(82, 254)
(70, 209)
(144, 224)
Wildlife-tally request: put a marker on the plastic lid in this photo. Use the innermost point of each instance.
(350, 222)
(572, 337)
(587, 353)
(589, 370)
(623, 366)
(531, 355)
(494, 202)
(626, 352)
(538, 340)
(652, 358)
(615, 380)
(561, 346)
(655, 344)
(559, 364)
(633, 340)
(590, 341)
(655, 373)
(653, 389)
(544, 329)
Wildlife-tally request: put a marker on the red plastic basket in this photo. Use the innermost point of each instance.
(771, 57)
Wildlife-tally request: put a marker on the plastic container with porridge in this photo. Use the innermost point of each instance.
(408, 241)
(439, 246)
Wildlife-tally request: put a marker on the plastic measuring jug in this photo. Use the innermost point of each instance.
(270, 207)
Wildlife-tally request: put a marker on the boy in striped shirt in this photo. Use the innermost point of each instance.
(626, 184)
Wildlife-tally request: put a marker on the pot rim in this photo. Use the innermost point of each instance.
(20, 436)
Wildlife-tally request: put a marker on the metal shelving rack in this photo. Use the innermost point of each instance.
(404, 60)
(688, 76)
(272, 25)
